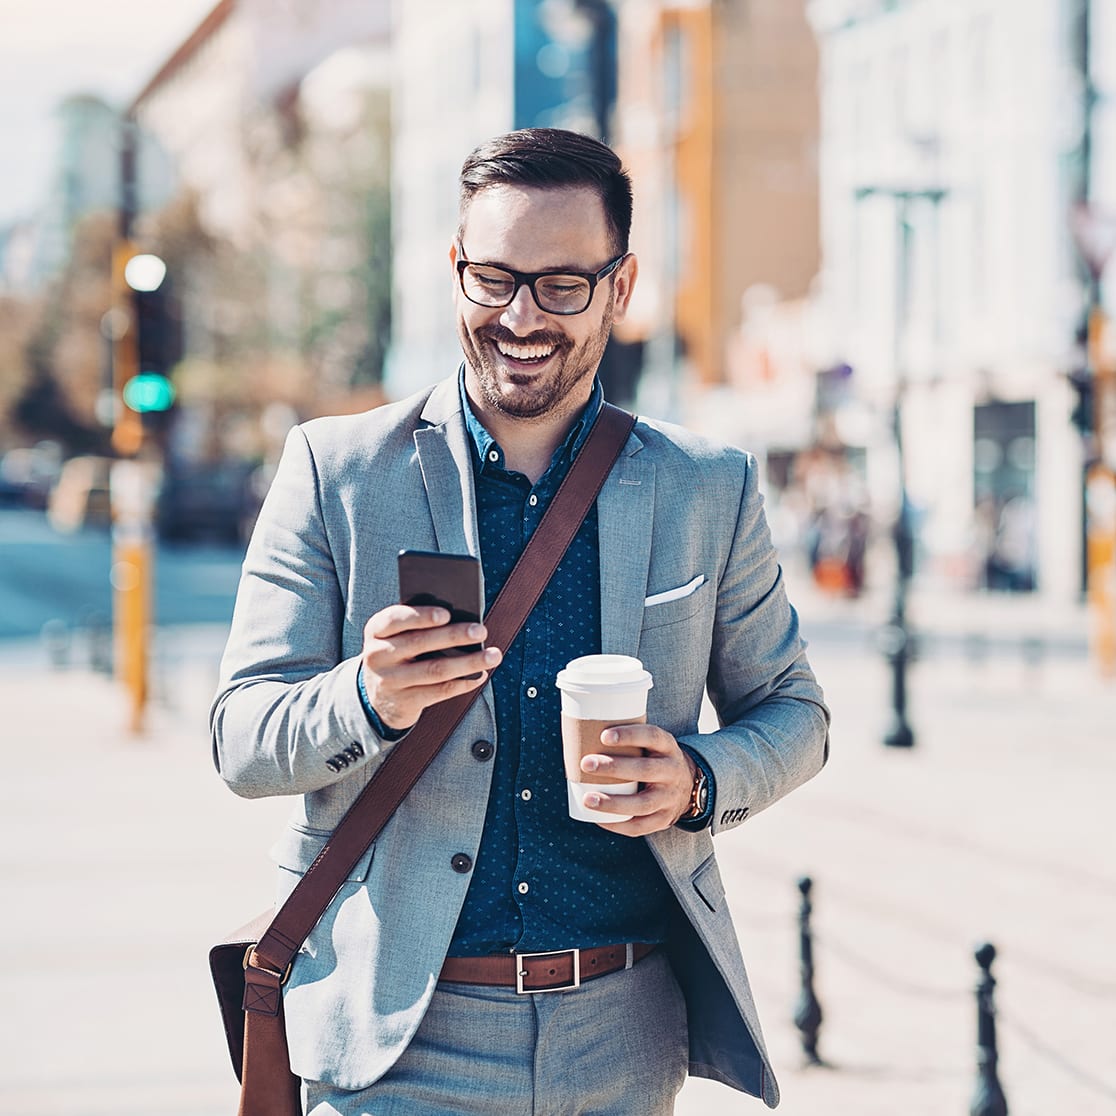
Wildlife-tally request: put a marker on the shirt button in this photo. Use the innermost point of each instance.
(459, 862)
(523, 888)
(525, 794)
(482, 750)
(532, 692)
(533, 500)
(493, 456)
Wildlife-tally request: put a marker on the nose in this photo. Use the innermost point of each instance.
(522, 315)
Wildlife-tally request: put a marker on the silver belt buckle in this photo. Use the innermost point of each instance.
(520, 972)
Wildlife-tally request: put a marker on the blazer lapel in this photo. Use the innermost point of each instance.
(447, 474)
(624, 512)
(447, 471)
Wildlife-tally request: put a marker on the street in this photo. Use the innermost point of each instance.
(125, 858)
(48, 576)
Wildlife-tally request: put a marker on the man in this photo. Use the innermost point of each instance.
(403, 999)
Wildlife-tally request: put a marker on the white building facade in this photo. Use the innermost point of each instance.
(951, 135)
(453, 87)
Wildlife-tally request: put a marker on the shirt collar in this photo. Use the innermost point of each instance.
(484, 444)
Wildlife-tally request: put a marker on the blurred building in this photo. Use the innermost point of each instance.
(718, 123)
(85, 179)
(194, 108)
(276, 120)
(244, 61)
(464, 73)
(17, 254)
(950, 161)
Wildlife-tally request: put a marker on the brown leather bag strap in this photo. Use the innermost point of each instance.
(406, 761)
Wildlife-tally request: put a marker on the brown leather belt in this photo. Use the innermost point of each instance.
(557, 971)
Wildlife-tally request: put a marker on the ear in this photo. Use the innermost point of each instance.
(626, 275)
(453, 254)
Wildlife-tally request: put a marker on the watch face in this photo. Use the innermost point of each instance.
(701, 799)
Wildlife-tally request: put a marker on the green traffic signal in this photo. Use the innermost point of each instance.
(149, 391)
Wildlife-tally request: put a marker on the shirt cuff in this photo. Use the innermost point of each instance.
(383, 731)
(696, 825)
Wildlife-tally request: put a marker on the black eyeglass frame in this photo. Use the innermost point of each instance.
(528, 279)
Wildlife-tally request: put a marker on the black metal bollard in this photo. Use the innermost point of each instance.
(808, 1013)
(988, 1097)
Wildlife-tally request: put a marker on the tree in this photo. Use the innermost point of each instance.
(66, 355)
(17, 319)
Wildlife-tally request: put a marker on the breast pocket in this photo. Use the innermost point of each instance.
(299, 847)
(674, 604)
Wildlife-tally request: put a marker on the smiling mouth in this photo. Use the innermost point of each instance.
(525, 354)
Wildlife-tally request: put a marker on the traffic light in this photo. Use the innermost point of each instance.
(149, 391)
(153, 331)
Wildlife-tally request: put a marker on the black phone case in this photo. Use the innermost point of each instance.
(452, 581)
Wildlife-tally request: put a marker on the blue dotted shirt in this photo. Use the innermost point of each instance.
(542, 881)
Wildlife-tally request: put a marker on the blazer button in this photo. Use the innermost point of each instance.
(459, 862)
(482, 750)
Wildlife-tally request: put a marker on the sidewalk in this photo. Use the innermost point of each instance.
(124, 859)
(996, 827)
(948, 620)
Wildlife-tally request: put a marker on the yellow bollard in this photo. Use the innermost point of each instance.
(133, 486)
(131, 582)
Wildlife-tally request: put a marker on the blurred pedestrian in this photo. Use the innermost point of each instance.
(403, 999)
(1010, 565)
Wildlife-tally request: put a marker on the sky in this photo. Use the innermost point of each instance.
(52, 48)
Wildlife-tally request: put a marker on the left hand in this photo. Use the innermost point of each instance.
(665, 770)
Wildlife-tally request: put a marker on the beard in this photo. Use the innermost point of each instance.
(525, 394)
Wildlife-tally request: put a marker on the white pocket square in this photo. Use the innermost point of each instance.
(675, 594)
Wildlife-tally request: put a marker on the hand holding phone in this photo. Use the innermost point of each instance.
(419, 652)
(452, 581)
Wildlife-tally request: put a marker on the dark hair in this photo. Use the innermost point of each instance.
(552, 158)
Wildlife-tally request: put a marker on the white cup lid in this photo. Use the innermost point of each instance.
(604, 672)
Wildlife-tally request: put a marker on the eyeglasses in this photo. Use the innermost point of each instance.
(554, 292)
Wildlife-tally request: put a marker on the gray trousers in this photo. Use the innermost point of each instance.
(616, 1046)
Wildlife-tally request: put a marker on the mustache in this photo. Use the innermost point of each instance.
(497, 333)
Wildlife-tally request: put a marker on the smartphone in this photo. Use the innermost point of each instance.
(453, 581)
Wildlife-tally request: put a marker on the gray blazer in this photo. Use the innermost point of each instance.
(676, 513)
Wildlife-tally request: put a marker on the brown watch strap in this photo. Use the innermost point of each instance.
(696, 808)
(407, 760)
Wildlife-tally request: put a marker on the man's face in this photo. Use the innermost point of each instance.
(521, 361)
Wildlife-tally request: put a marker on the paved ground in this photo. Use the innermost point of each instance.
(123, 859)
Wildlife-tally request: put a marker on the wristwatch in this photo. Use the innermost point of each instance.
(699, 797)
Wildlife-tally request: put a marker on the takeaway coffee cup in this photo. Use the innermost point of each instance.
(599, 691)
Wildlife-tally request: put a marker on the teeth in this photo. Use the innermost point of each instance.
(525, 352)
